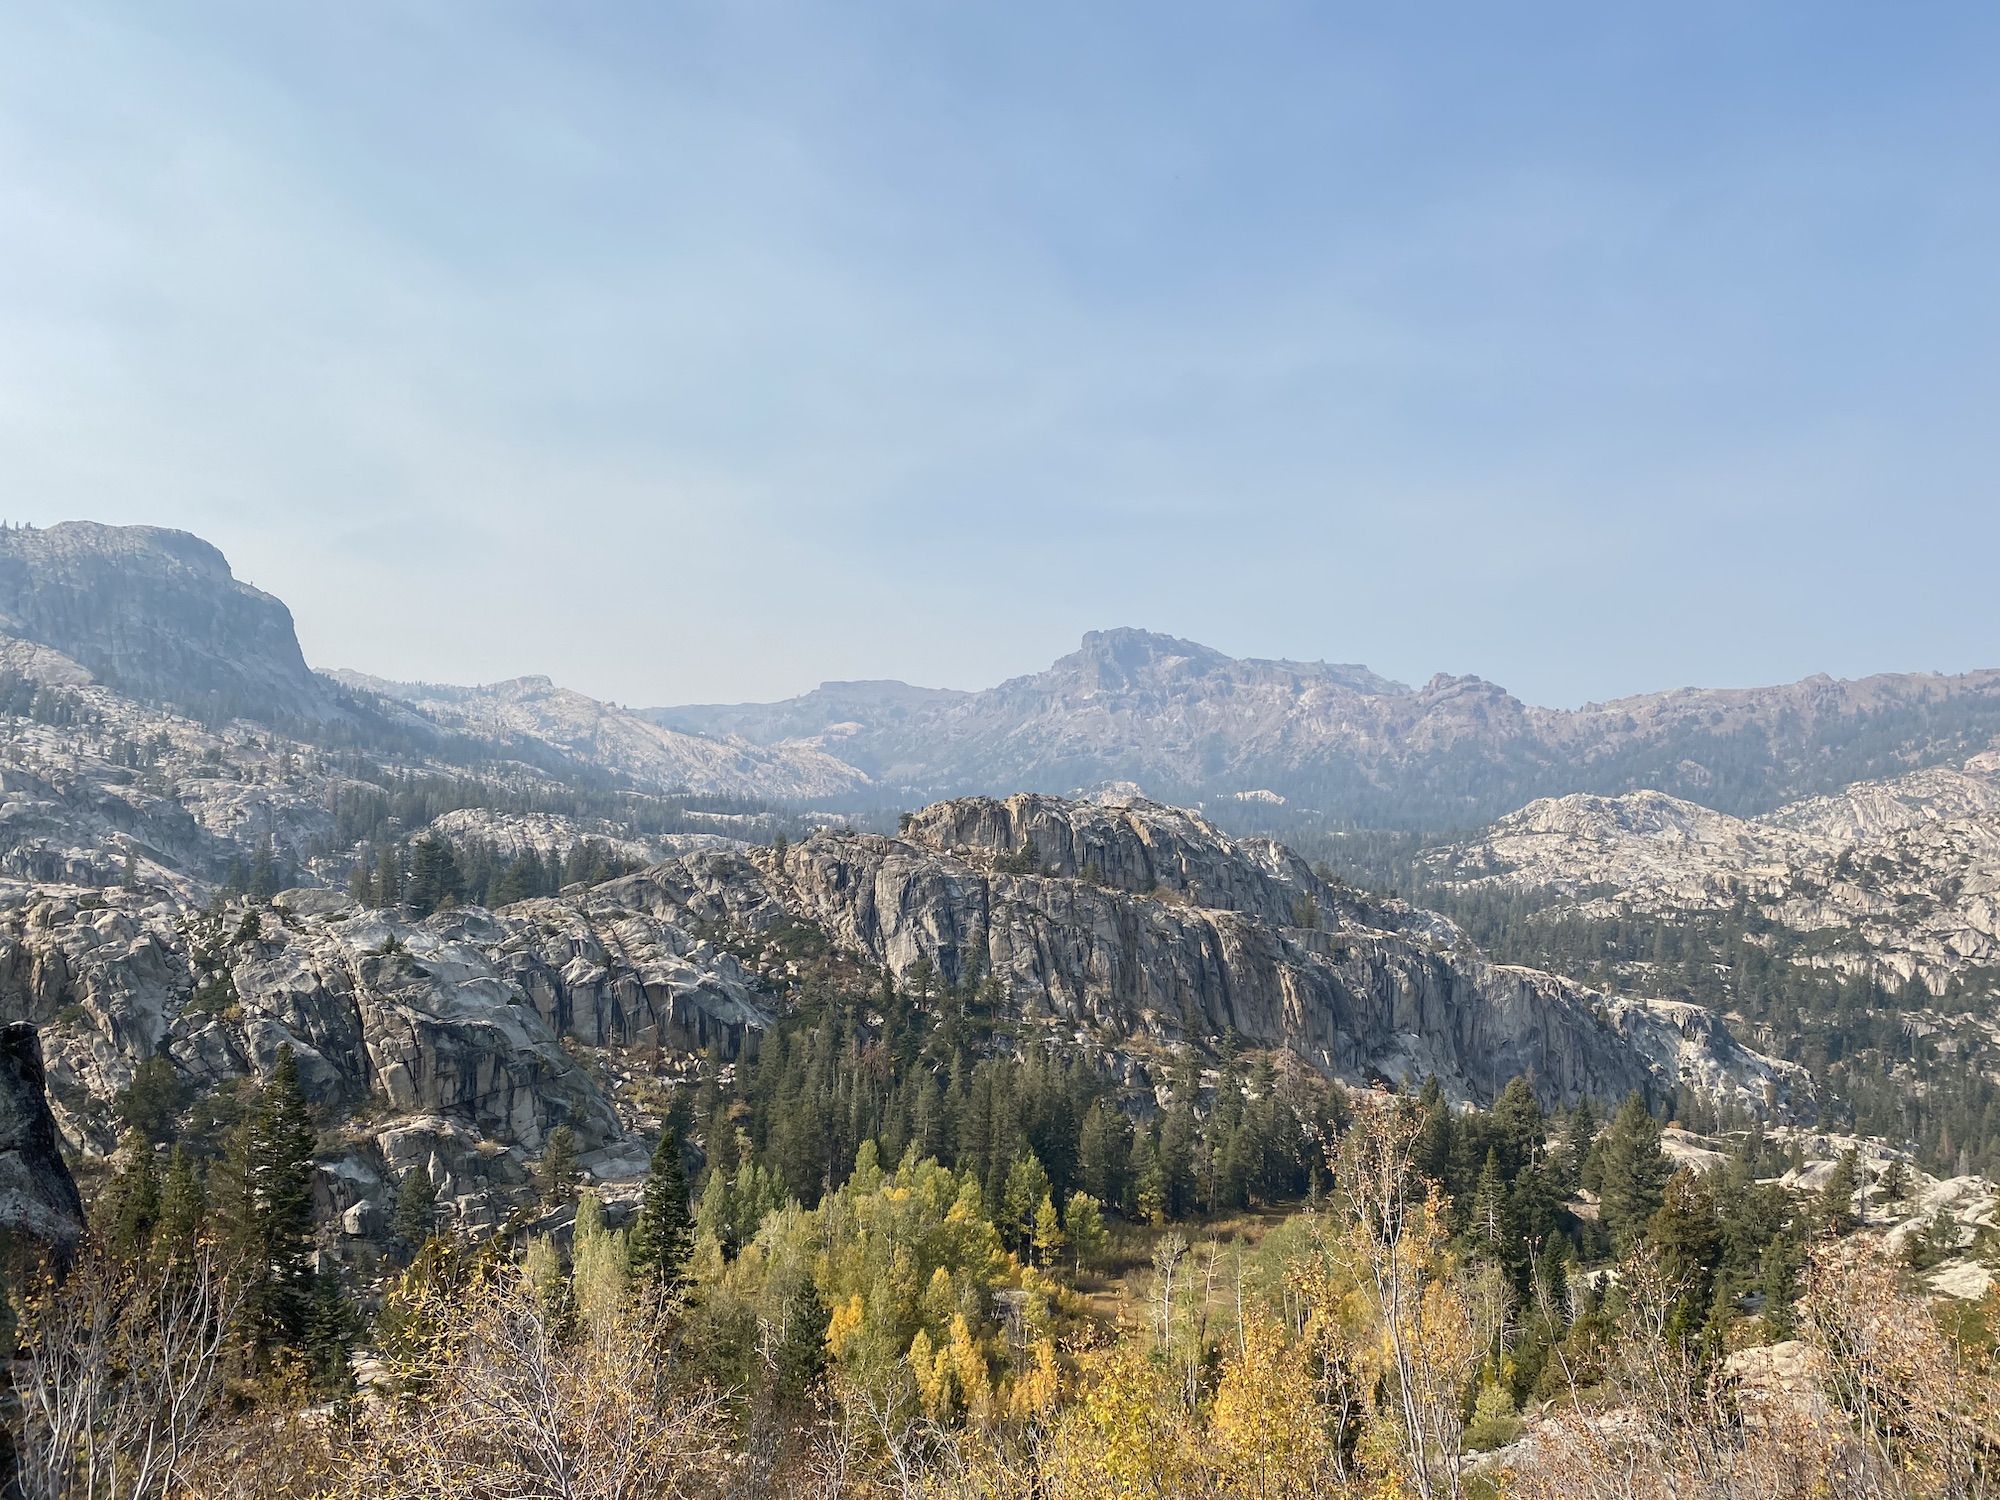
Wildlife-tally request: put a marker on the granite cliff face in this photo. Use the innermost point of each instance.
(448, 1041)
(38, 1197)
(1136, 923)
(1190, 723)
(157, 615)
(414, 1016)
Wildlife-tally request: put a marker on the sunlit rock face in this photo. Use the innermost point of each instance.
(1132, 920)
(1897, 880)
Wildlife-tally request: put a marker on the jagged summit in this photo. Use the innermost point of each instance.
(1197, 724)
(1127, 657)
(1124, 654)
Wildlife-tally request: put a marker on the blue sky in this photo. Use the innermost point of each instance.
(691, 352)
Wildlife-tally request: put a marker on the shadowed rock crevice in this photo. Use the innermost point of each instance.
(38, 1198)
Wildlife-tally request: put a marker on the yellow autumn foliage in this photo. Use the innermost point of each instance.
(1267, 1432)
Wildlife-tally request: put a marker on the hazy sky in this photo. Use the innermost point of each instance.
(690, 352)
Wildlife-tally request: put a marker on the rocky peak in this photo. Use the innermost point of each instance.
(1119, 658)
(157, 614)
(532, 685)
(1450, 685)
(1128, 659)
(1127, 844)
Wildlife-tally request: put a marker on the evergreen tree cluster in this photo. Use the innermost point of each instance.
(431, 873)
(924, 1066)
(1882, 1075)
(249, 1194)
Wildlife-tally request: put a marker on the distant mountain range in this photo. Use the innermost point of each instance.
(609, 738)
(157, 618)
(156, 615)
(1189, 724)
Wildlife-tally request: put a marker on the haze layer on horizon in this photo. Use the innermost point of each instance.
(706, 355)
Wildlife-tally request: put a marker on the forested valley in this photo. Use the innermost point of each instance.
(909, 1251)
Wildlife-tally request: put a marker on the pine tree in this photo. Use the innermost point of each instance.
(330, 1330)
(1893, 1187)
(132, 1207)
(520, 880)
(1103, 1149)
(1436, 1143)
(1518, 1121)
(264, 871)
(1834, 1204)
(1938, 1241)
(536, 878)
(1174, 1159)
(1579, 1169)
(715, 1215)
(1235, 1167)
(663, 1232)
(183, 1207)
(151, 1103)
(1149, 1184)
(271, 1221)
(435, 880)
(1632, 1172)
(1027, 1187)
(1686, 1236)
(1489, 1206)
(1083, 1225)
(559, 1166)
(799, 1360)
(416, 1207)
